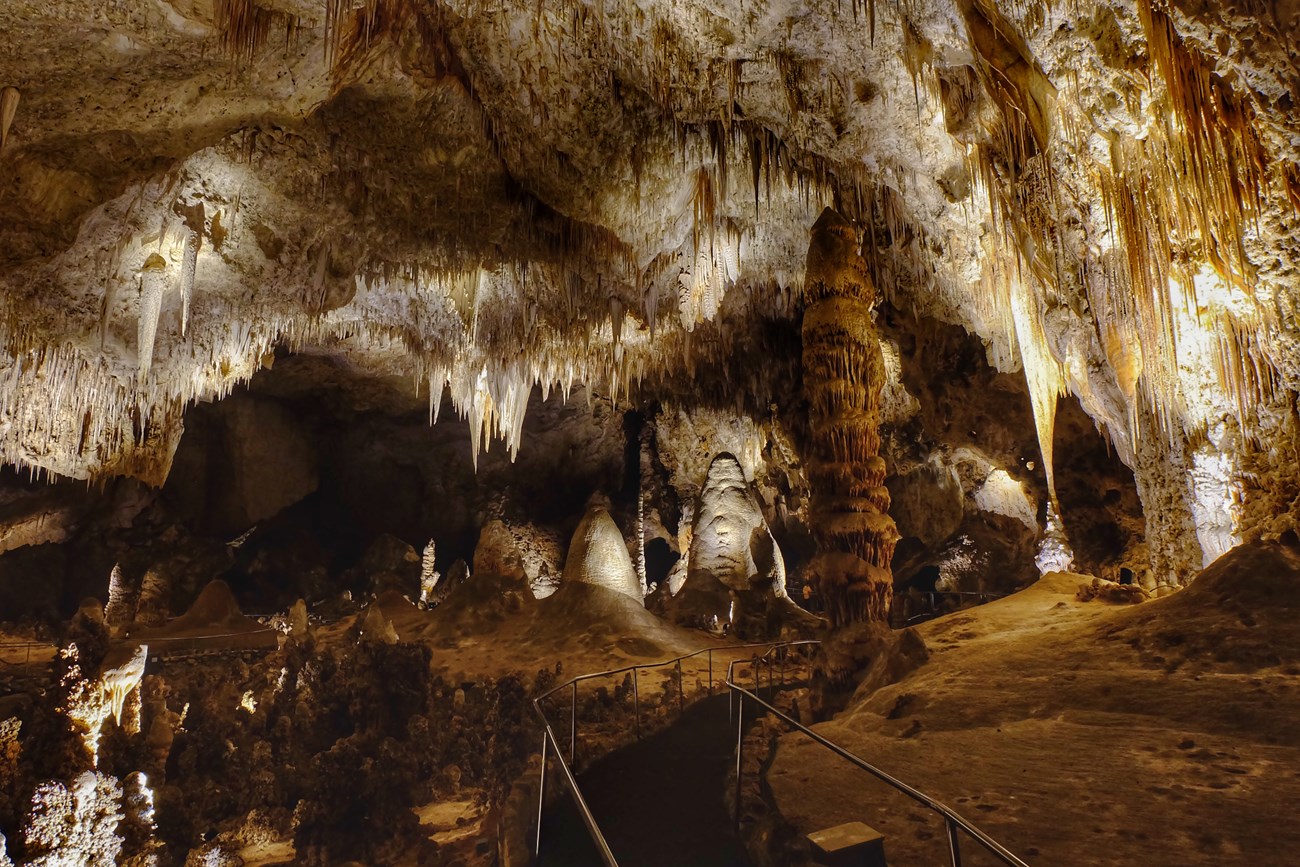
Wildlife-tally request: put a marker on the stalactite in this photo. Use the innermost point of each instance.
(245, 26)
(843, 379)
(188, 266)
(152, 283)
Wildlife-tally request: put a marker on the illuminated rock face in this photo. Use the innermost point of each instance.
(598, 555)
(1106, 194)
(731, 543)
(843, 378)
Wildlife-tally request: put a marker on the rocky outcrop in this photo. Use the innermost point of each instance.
(391, 564)
(734, 573)
(497, 558)
(598, 555)
(843, 377)
(730, 541)
(241, 462)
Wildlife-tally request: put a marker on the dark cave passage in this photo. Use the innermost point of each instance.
(659, 801)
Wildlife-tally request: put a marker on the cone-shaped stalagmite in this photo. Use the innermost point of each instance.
(843, 374)
(598, 555)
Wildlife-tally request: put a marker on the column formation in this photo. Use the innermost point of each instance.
(843, 376)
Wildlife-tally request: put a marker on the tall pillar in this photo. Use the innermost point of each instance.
(843, 376)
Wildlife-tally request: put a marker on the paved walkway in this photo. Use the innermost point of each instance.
(659, 801)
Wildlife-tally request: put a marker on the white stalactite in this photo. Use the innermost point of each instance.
(153, 278)
(189, 265)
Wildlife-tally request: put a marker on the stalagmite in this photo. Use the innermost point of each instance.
(8, 108)
(843, 378)
(117, 612)
(152, 283)
(598, 555)
(429, 575)
(151, 609)
(644, 477)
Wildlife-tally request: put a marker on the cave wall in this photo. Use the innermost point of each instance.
(1105, 195)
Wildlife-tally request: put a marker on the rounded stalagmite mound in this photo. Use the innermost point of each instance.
(598, 555)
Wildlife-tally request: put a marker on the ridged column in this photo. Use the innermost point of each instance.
(843, 376)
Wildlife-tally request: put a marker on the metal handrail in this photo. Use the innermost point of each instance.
(952, 820)
(27, 646)
(548, 733)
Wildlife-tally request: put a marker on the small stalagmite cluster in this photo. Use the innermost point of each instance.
(843, 377)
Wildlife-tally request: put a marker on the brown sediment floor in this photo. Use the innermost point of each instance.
(1080, 733)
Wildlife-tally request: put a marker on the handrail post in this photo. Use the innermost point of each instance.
(541, 796)
(954, 847)
(636, 699)
(710, 671)
(731, 693)
(573, 724)
(681, 689)
(740, 750)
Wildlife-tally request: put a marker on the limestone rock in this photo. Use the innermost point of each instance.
(155, 595)
(598, 555)
(391, 564)
(119, 611)
(731, 542)
(298, 622)
(497, 556)
(9, 99)
(377, 628)
(843, 379)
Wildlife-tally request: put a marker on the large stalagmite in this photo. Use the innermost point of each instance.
(598, 555)
(843, 376)
(731, 542)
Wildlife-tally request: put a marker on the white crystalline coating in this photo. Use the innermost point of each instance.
(598, 555)
(731, 540)
(77, 825)
(153, 282)
(1215, 484)
(1003, 495)
(1054, 551)
(189, 264)
(91, 701)
(120, 682)
(1151, 233)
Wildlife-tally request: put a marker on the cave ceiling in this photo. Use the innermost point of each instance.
(489, 196)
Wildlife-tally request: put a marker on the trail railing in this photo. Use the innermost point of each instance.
(23, 648)
(551, 744)
(953, 822)
(918, 606)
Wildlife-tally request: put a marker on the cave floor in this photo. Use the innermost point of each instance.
(1081, 733)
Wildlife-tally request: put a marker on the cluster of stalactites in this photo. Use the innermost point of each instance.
(843, 378)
